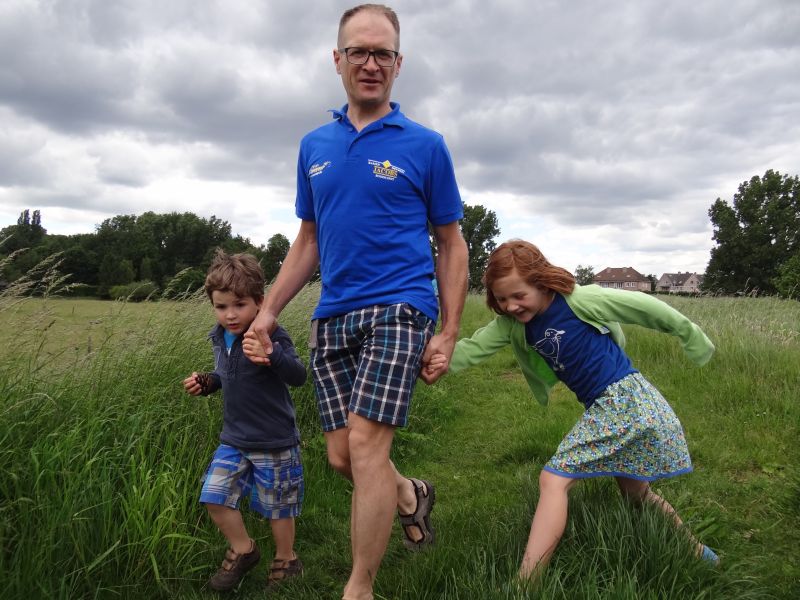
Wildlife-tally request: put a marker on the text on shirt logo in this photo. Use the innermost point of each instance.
(317, 169)
(385, 169)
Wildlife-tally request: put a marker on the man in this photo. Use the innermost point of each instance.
(368, 184)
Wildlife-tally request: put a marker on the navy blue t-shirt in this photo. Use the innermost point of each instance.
(586, 360)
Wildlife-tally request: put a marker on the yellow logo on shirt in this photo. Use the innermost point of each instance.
(385, 169)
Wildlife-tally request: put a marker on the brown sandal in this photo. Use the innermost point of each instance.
(420, 518)
(234, 568)
(281, 570)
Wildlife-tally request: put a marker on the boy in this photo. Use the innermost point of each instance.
(259, 453)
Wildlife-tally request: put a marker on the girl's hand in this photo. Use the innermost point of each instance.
(253, 347)
(435, 367)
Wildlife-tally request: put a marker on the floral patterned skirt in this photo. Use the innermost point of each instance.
(629, 431)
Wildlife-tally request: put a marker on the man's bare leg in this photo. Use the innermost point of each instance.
(374, 501)
(338, 445)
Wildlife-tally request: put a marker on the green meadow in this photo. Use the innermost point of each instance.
(101, 454)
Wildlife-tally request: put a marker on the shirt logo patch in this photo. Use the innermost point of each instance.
(549, 347)
(317, 169)
(385, 169)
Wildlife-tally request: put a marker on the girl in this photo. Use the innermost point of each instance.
(559, 330)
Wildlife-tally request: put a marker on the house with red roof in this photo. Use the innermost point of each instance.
(623, 278)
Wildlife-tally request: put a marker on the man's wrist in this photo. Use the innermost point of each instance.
(449, 335)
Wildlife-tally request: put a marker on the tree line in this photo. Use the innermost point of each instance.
(757, 236)
(129, 254)
(167, 254)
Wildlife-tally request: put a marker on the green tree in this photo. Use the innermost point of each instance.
(82, 256)
(146, 269)
(277, 249)
(27, 233)
(584, 275)
(114, 271)
(788, 280)
(184, 283)
(479, 228)
(172, 242)
(756, 234)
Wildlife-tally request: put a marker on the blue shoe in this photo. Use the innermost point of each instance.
(709, 555)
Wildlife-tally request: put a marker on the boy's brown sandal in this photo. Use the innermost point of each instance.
(281, 570)
(233, 569)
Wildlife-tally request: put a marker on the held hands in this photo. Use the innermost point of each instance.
(264, 324)
(435, 367)
(254, 349)
(436, 359)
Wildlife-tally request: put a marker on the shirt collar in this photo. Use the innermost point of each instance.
(395, 117)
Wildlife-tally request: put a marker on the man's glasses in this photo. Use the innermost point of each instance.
(360, 56)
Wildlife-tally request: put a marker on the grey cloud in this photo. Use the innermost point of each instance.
(586, 113)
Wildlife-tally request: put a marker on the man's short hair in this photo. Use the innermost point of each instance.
(240, 274)
(380, 8)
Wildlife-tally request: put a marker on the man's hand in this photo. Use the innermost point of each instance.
(253, 348)
(263, 325)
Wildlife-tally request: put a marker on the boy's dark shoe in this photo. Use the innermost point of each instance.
(281, 570)
(233, 569)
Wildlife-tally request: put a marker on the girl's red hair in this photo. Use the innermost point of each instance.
(531, 265)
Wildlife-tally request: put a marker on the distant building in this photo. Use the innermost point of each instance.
(624, 278)
(680, 282)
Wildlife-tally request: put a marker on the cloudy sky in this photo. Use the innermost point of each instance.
(600, 130)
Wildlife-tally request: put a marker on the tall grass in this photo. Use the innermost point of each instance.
(101, 454)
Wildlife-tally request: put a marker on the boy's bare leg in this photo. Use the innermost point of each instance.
(549, 522)
(229, 522)
(283, 533)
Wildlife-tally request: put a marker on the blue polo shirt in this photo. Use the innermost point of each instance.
(372, 194)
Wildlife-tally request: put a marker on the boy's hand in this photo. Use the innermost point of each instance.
(435, 367)
(197, 384)
(192, 385)
(253, 348)
(263, 326)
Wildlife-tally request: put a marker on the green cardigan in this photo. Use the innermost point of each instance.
(603, 308)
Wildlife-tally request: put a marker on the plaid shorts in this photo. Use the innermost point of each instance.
(272, 478)
(367, 362)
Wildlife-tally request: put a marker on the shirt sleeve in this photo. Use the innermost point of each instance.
(214, 382)
(485, 342)
(304, 201)
(444, 199)
(638, 308)
(284, 360)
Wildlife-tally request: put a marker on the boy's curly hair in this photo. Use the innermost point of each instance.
(529, 262)
(240, 274)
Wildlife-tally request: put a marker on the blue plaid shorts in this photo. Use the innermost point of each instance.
(367, 362)
(272, 478)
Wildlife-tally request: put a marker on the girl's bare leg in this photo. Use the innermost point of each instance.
(640, 492)
(549, 522)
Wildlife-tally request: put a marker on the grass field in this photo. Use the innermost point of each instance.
(101, 454)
